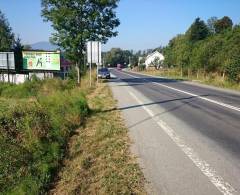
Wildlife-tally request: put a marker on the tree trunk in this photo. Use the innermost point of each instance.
(223, 76)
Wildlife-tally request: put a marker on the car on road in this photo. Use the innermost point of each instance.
(104, 73)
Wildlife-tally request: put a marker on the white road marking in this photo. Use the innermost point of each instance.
(191, 94)
(205, 168)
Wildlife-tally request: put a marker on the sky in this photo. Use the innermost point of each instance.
(145, 24)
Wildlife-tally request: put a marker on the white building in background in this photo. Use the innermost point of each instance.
(151, 57)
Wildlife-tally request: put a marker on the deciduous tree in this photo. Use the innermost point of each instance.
(223, 24)
(78, 21)
(6, 34)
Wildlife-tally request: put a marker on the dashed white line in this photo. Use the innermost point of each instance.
(205, 168)
(191, 94)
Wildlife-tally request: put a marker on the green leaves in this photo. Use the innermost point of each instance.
(117, 56)
(78, 21)
(6, 35)
(214, 52)
(233, 71)
(223, 24)
(198, 30)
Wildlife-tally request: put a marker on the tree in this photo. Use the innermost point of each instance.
(198, 30)
(6, 34)
(157, 63)
(27, 47)
(134, 60)
(118, 56)
(233, 71)
(78, 21)
(223, 24)
(18, 48)
(211, 24)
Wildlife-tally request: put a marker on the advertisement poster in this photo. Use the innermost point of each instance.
(34, 60)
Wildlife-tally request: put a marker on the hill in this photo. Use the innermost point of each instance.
(44, 45)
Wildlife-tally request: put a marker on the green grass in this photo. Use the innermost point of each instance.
(53, 129)
(36, 120)
(99, 160)
(209, 79)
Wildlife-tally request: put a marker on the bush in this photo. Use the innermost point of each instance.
(141, 67)
(36, 120)
(233, 71)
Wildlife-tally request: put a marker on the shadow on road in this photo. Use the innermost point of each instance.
(183, 100)
(144, 80)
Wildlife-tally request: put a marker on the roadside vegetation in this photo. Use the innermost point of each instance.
(99, 160)
(36, 120)
(44, 123)
(174, 73)
(51, 140)
(208, 52)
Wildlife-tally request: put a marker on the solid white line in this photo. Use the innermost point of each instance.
(205, 168)
(191, 94)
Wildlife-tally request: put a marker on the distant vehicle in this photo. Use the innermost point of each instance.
(119, 67)
(104, 73)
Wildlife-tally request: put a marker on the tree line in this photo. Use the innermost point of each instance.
(212, 46)
(127, 57)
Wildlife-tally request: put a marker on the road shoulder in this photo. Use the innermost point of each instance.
(99, 160)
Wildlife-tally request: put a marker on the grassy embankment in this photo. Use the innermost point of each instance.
(99, 161)
(39, 120)
(209, 79)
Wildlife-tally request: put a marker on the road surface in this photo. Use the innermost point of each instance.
(187, 137)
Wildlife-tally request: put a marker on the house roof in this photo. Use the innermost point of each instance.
(155, 52)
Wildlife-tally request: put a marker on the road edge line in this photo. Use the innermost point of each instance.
(194, 95)
(218, 181)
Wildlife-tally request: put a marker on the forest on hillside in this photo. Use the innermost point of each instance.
(211, 47)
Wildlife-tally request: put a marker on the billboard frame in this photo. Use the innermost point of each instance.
(7, 58)
(41, 70)
(8, 70)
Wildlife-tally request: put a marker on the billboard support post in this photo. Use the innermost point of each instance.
(8, 68)
(91, 67)
(78, 73)
(98, 46)
(93, 56)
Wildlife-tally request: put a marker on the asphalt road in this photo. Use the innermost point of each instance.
(187, 137)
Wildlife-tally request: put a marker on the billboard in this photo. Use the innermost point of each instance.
(7, 61)
(94, 51)
(37, 60)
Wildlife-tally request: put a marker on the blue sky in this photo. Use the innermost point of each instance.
(144, 23)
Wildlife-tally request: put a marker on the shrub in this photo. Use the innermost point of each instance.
(141, 67)
(233, 71)
(36, 120)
